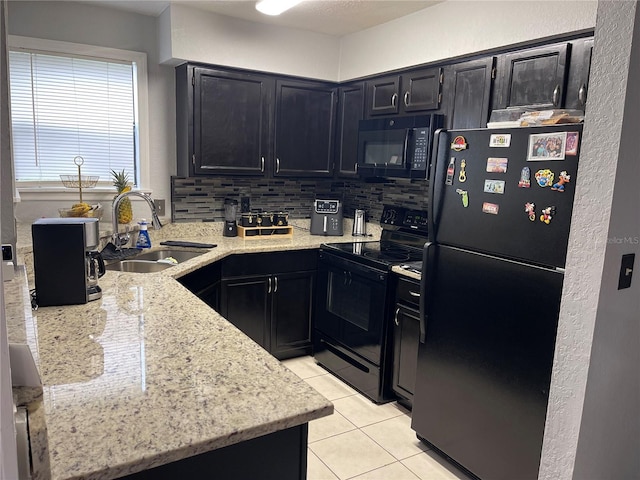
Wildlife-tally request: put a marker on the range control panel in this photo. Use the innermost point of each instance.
(403, 217)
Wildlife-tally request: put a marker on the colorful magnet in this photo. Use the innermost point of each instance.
(530, 208)
(494, 186)
(546, 146)
(571, 147)
(451, 170)
(547, 214)
(525, 178)
(491, 208)
(559, 185)
(497, 165)
(462, 176)
(500, 140)
(459, 143)
(544, 177)
(465, 197)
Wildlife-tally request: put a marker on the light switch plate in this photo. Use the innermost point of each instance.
(160, 207)
(626, 270)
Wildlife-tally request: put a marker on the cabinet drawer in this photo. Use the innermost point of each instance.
(408, 293)
(269, 263)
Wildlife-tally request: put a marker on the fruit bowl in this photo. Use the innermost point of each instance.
(95, 212)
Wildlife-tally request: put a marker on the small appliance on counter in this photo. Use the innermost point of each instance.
(66, 264)
(230, 218)
(326, 218)
(359, 225)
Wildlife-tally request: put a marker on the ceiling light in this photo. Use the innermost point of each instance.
(275, 7)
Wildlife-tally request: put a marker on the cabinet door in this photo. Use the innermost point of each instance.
(405, 351)
(245, 303)
(469, 87)
(579, 69)
(231, 122)
(350, 112)
(292, 303)
(421, 90)
(382, 95)
(305, 115)
(536, 76)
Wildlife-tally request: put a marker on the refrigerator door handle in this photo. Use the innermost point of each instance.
(427, 274)
(433, 180)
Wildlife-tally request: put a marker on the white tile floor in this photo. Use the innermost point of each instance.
(362, 440)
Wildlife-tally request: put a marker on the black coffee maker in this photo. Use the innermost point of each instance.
(66, 262)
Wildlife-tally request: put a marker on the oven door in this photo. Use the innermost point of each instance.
(351, 305)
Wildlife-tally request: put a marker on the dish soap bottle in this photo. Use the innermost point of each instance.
(143, 235)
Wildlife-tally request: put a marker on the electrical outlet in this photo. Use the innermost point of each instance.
(245, 205)
(160, 207)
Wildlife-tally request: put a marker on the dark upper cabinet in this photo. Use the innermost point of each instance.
(468, 86)
(414, 91)
(350, 112)
(230, 116)
(304, 129)
(580, 67)
(533, 77)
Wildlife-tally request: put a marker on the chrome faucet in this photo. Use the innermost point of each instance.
(120, 239)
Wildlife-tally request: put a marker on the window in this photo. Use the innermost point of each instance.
(69, 100)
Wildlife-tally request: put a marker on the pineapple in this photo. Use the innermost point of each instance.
(121, 182)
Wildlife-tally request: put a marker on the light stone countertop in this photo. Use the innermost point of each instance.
(149, 374)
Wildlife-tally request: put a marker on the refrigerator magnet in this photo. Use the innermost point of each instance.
(451, 171)
(546, 146)
(530, 208)
(497, 165)
(564, 177)
(459, 143)
(501, 140)
(491, 208)
(494, 186)
(462, 176)
(464, 195)
(571, 147)
(544, 177)
(547, 214)
(525, 178)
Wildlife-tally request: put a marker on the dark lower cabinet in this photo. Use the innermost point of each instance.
(269, 296)
(406, 337)
(205, 284)
(277, 456)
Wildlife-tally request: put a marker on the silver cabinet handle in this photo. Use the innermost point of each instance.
(395, 317)
(269, 285)
(355, 168)
(414, 294)
(582, 94)
(262, 164)
(394, 100)
(277, 165)
(275, 287)
(556, 95)
(406, 98)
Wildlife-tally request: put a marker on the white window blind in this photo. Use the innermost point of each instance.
(65, 106)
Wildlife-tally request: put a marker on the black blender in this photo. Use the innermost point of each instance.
(230, 215)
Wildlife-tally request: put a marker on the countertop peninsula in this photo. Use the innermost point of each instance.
(149, 374)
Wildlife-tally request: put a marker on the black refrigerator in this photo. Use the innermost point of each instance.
(499, 214)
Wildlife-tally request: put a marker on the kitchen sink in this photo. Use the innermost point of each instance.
(147, 262)
(138, 266)
(178, 254)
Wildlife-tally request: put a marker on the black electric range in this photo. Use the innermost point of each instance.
(355, 299)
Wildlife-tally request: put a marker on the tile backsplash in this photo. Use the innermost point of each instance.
(202, 198)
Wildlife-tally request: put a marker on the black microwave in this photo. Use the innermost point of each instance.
(396, 147)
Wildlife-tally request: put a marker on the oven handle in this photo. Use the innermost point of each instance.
(425, 284)
(341, 264)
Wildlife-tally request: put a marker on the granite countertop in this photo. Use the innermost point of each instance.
(149, 374)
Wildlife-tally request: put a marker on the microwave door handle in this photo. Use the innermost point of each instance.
(407, 134)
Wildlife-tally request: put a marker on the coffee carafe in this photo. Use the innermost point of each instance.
(230, 217)
(66, 264)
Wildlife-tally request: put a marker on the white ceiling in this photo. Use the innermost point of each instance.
(332, 17)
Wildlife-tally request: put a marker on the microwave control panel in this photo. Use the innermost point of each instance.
(420, 148)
